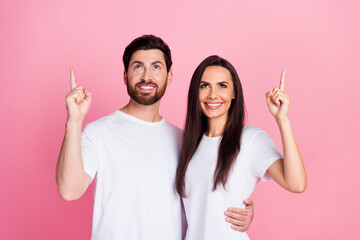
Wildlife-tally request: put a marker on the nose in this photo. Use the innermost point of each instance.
(146, 75)
(213, 94)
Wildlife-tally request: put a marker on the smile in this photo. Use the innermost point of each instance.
(214, 105)
(146, 88)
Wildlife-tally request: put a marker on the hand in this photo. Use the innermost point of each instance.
(278, 101)
(78, 100)
(241, 218)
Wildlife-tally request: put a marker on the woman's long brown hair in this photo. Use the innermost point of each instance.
(196, 125)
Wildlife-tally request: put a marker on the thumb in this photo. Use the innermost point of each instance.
(268, 96)
(248, 202)
(88, 94)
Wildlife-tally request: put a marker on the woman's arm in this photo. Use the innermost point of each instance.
(288, 172)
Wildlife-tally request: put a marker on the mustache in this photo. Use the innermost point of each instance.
(143, 82)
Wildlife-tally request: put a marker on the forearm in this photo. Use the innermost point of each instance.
(70, 167)
(294, 171)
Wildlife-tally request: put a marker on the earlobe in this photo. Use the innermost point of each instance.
(125, 77)
(169, 77)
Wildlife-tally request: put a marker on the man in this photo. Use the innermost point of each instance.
(133, 153)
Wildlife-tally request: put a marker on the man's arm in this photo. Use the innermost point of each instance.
(241, 218)
(71, 179)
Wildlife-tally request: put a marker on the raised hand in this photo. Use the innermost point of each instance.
(78, 100)
(241, 218)
(278, 101)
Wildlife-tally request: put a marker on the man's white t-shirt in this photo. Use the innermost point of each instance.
(135, 163)
(205, 208)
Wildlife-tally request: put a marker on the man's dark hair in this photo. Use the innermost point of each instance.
(147, 42)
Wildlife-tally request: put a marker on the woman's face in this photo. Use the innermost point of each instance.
(216, 92)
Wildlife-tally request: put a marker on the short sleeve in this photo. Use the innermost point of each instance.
(263, 153)
(89, 151)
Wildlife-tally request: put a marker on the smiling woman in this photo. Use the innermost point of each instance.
(222, 160)
(216, 94)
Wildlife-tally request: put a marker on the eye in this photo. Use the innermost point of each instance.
(156, 67)
(137, 67)
(222, 85)
(204, 85)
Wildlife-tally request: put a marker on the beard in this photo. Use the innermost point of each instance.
(146, 98)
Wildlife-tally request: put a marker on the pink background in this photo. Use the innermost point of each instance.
(317, 41)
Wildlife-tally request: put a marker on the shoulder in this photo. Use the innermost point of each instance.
(93, 126)
(250, 132)
(254, 135)
(173, 129)
(175, 134)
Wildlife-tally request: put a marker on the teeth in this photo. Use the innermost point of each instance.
(146, 87)
(213, 104)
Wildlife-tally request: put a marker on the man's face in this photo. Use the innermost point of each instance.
(147, 77)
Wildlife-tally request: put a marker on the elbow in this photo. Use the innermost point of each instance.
(298, 188)
(67, 195)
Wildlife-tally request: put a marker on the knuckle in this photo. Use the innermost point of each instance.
(231, 214)
(230, 220)
(78, 92)
(240, 229)
(235, 227)
(238, 223)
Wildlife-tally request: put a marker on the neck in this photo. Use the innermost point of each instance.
(149, 113)
(216, 127)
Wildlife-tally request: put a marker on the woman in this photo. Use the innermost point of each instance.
(222, 160)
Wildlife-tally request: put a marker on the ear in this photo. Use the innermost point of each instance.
(169, 77)
(125, 77)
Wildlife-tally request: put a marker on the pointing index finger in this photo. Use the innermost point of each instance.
(282, 80)
(72, 79)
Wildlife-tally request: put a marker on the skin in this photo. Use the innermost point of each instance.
(145, 66)
(71, 179)
(215, 96)
(216, 87)
(144, 77)
(290, 171)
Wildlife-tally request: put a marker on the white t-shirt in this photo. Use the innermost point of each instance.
(135, 163)
(205, 208)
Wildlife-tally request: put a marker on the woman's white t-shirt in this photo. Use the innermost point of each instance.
(205, 208)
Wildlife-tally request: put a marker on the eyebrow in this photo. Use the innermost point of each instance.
(137, 62)
(157, 62)
(223, 82)
(141, 63)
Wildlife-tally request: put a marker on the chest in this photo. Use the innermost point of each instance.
(200, 173)
(139, 152)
